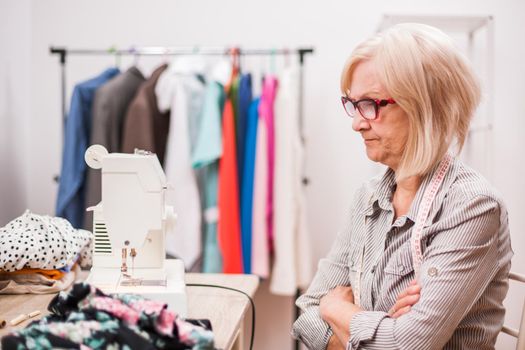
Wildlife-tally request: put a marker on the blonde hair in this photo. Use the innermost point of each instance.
(431, 81)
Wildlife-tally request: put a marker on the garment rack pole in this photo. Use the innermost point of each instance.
(176, 51)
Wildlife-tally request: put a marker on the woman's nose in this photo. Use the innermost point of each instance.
(359, 123)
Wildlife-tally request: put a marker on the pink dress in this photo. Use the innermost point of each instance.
(262, 225)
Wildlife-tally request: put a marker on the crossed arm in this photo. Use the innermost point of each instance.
(331, 319)
(337, 309)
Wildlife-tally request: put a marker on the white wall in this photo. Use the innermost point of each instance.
(15, 103)
(336, 161)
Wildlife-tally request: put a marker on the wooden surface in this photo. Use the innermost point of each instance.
(225, 309)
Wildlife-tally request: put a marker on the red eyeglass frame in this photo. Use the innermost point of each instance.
(377, 104)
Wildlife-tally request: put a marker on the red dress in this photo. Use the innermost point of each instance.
(229, 228)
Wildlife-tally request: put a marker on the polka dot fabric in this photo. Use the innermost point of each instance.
(42, 242)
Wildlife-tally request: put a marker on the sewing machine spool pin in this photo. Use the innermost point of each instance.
(124, 266)
(133, 254)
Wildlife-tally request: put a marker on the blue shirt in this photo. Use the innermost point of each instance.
(247, 184)
(71, 190)
(243, 104)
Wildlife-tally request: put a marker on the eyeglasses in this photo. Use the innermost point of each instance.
(367, 107)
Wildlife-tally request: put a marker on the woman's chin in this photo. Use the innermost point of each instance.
(373, 155)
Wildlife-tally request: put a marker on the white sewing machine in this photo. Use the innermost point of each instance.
(129, 226)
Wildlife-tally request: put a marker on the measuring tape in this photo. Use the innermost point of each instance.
(417, 232)
(422, 214)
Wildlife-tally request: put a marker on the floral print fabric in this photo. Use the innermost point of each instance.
(86, 318)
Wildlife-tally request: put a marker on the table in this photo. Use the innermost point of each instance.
(225, 309)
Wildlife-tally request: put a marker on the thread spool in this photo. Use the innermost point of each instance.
(21, 318)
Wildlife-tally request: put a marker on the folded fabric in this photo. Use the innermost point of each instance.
(32, 278)
(50, 274)
(86, 317)
(42, 242)
(37, 284)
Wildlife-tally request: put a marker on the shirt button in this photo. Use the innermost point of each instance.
(373, 269)
(432, 271)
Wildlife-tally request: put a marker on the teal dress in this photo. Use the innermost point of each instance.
(205, 158)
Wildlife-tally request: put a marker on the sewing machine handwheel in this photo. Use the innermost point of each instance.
(94, 155)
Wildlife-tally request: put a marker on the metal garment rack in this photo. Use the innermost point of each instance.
(176, 51)
(302, 52)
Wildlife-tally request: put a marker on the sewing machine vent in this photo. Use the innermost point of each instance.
(102, 242)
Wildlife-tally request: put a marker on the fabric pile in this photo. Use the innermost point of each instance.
(86, 318)
(41, 254)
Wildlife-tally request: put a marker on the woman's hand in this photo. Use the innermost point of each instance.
(335, 344)
(331, 304)
(337, 309)
(405, 300)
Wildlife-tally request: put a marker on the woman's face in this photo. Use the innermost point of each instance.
(384, 137)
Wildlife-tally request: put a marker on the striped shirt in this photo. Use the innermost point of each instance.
(464, 273)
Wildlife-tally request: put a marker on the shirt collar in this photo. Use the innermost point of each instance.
(382, 195)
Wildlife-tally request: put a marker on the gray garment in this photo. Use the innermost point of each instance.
(109, 108)
(464, 273)
(145, 127)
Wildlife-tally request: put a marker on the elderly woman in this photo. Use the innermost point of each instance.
(423, 262)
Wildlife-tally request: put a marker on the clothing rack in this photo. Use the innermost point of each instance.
(301, 52)
(174, 51)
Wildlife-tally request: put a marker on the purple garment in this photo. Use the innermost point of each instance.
(266, 114)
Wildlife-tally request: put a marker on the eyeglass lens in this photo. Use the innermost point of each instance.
(367, 108)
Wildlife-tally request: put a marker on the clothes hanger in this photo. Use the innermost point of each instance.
(234, 57)
(236, 60)
(136, 56)
(263, 72)
(113, 50)
(286, 57)
(165, 57)
(273, 54)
